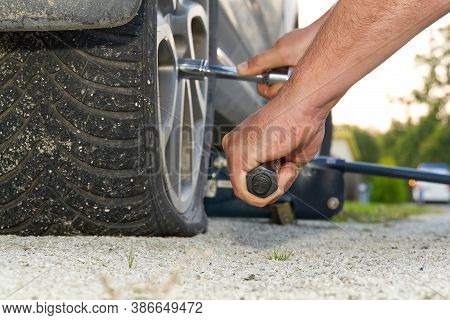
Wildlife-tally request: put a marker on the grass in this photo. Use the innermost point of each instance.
(130, 257)
(280, 255)
(379, 212)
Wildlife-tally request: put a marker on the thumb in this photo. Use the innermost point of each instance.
(262, 62)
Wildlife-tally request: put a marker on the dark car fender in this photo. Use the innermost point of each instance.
(50, 15)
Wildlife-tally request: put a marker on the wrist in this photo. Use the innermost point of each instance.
(312, 112)
(305, 103)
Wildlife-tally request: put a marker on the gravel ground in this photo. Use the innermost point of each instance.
(406, 260)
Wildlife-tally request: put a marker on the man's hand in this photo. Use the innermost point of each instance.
(271, 134)
(286, 52)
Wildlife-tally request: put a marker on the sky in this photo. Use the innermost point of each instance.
(369, 103)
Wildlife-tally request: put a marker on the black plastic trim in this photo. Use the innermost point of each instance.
(52, 15)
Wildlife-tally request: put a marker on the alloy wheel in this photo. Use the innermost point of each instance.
(182, 33)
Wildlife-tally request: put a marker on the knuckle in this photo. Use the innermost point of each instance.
(225, 141)
(273, 90)
(279, 43)
(260, 204)
(260, 91)
(256, 61)
(252, 64)
(274, 200)
(237, 193)
(286, 57)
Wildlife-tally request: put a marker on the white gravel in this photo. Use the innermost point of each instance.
(406, 260)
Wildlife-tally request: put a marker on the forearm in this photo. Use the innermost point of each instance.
(357, 36)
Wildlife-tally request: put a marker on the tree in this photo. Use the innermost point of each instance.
(433, 148)
(435, 91)
(428, 140)
(367, 145)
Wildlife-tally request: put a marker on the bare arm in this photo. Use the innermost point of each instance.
(356, 37)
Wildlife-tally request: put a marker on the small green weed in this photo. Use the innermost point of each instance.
(130, 257)
(279, 255)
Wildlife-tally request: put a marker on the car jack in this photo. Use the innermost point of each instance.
(318, 193)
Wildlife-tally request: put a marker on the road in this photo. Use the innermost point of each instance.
(406, 260)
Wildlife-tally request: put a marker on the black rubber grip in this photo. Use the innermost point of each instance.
(263, 180)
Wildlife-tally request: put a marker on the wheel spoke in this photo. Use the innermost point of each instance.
(173, 149)
(167, 79)
(190, 29)
(187, 143)
(167, 6)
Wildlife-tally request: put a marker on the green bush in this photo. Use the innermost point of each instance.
(367, 145)
(388, 190)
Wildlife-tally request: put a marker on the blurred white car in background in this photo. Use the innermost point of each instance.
(432, 192)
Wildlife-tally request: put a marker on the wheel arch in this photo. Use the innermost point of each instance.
(55, 15)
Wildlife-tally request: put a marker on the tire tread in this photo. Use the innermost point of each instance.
(71, 155)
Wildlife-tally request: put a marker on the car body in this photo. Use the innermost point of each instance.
(247, 28)
(428, 191)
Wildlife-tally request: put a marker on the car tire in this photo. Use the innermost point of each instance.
(81, 128)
